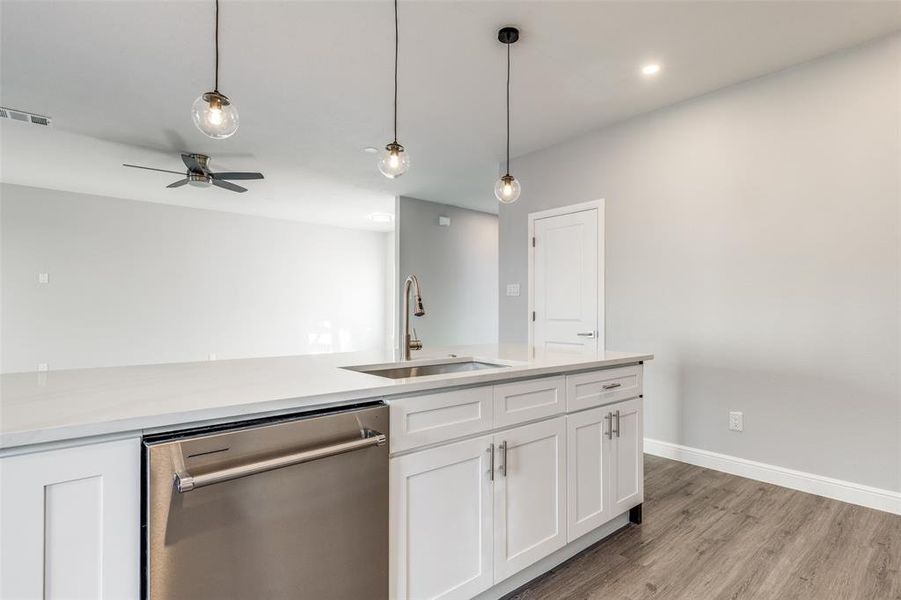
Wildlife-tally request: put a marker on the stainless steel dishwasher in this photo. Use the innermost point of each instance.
(284, 508)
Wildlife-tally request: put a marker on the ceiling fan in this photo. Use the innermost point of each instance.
(199, 174)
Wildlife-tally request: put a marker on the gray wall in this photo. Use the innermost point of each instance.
(136, 282)
(753, 246)
(457, 267)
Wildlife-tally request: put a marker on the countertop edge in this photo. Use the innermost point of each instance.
(26, 441)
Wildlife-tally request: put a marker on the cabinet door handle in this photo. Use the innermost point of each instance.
(588, 334)
(491, 462)
(503, 448)
(611, 386)
(617, 424)
(609, 418)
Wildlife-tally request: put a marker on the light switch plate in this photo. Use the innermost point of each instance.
(736, 421)
(43, 277)
(513, 289)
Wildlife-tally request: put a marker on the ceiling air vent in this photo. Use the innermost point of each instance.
(25, 117)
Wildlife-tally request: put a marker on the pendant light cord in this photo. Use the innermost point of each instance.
(216, 87)
(508, 109)
(396, 44)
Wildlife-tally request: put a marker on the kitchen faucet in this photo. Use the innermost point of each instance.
(410, 341)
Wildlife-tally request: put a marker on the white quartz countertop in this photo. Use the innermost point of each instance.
(37, 408)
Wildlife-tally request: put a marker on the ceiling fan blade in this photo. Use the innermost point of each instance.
(153, 169)
(178, 183)
(192, 163)
(236, 175)
(228, 186)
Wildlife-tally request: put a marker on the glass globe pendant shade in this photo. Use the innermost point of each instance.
(507, 189)
(215, 115)
(394, 161)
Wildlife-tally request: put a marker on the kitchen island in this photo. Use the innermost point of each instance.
(541, 455)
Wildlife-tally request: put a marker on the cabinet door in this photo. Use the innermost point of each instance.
(529, 495)
(71, 523)
(626, 457)
(440, 520)
(588, 445)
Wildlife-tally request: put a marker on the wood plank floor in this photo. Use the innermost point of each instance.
(709, 535)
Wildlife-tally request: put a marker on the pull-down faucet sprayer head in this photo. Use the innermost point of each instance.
(418, 308)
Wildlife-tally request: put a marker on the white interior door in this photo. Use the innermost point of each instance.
(566, 283)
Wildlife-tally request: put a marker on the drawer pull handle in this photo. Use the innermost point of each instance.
(611, 386)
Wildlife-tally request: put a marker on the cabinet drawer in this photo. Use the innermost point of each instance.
(596, 388)
(527, 400)
(432, 418)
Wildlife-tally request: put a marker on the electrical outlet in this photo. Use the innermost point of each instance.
(212, 356)
(43, 277)
(736, 421)
(43, 367)
(513, 289)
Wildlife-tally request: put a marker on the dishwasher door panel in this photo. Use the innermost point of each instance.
(317, 529)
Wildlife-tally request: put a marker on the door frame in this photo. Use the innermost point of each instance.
(599, 205)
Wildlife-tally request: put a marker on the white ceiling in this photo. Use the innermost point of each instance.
(312, 82)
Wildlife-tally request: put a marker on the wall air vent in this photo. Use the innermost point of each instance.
(25, 117)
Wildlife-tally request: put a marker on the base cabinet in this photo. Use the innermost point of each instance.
(529, 495)
(69, 520)
(627, 456)
(605, 465)
(588, 447)
(468, 515)
(440, 514)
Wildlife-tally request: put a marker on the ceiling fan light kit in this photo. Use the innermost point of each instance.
(507, 189)
(212, 112)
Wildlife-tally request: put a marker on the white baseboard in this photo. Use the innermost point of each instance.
(846, 491)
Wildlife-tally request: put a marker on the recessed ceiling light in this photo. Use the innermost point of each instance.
(370, 150)
(381, 217)
(650, 69)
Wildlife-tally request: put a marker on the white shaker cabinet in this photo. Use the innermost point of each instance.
(440, 514)
(605, 468)
(588, 440)
(529, 495)
(626, 456)
(70, 521)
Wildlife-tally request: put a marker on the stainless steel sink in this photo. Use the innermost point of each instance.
(404, 371)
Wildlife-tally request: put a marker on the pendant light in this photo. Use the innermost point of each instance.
(507, 188)
(394, 160)
(213, 112)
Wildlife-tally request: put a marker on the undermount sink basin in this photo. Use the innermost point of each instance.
(404, 371)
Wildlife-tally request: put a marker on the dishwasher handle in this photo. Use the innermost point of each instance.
(185, 482)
